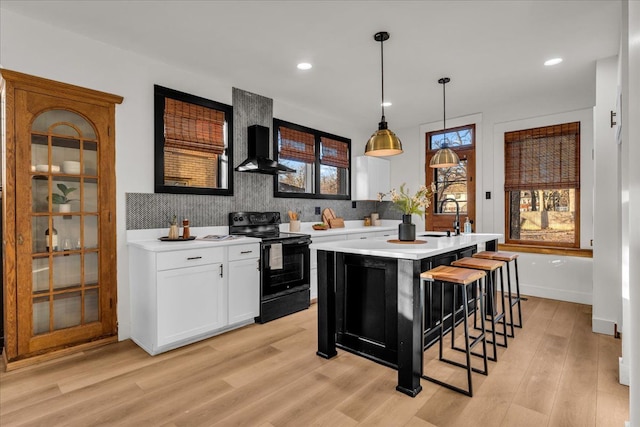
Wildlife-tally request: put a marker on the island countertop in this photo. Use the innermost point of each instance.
(381, 246)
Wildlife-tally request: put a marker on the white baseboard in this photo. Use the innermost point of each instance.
(557, 294)
(603, 326)
(623, 372)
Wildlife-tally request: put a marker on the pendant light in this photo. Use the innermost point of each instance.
(444, 157)
(383, 142)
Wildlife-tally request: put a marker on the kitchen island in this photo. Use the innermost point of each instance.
(370, 298)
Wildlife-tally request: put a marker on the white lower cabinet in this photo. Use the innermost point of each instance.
(182, 296)
(244, 283)
(191, 301)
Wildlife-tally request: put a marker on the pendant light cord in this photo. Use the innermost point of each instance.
(382, 75)
(444, 107)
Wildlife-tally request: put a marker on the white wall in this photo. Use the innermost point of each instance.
(607, 280)
(630, 81)
(548, 276)
(42, 50)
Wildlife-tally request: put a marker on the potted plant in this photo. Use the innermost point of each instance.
(409, 204)
(62, 200)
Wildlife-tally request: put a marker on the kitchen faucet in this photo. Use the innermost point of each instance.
(456, 223)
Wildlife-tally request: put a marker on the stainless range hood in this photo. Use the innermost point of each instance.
(258, 160)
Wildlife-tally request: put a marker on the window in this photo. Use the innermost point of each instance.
(455, 183)
(192, 144)
(321, 163)
(542, 186)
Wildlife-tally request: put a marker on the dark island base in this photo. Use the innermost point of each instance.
(373, 307)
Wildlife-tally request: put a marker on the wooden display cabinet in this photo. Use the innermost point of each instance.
(60, 258)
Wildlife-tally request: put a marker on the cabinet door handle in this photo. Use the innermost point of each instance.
(194, 257)
(246, 252)
(21, 239)
(221, 270)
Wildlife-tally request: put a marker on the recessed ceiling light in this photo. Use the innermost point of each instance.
(386, 104)
(554, 61)
(304, 66)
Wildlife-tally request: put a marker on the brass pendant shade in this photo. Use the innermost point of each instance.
(445, 157)
(383, 142)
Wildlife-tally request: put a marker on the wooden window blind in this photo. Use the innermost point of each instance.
(193, 127)
(334, 153)
(296, 145)
(543, 158)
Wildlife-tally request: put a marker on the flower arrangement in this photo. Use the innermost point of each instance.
(410, 204)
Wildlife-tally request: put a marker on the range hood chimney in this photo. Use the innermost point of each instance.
(258, 160)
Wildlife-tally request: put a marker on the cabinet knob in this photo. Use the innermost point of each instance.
(20, 239)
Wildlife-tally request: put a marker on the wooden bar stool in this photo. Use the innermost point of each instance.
(508, 257)
(458, 278)
(490, 267)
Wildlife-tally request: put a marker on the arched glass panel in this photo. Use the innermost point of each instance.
(62, 119)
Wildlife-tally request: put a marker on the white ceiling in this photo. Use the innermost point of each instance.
(492, 50)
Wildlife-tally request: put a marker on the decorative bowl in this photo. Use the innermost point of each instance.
(71, 167)
(320, 226)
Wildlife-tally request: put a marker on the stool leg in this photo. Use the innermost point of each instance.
(504, 310)
(510, 301)
(453, 317)
(441, 319)
(484, 339)
(519, 325)
(488, 290)
(465, 309)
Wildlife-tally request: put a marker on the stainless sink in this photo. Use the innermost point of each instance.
(433, 235)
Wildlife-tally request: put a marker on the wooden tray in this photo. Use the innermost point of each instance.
(407, 242)
(179, 239)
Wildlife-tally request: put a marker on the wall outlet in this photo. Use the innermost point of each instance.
(317, 210)
(353, 205)
(487, 195)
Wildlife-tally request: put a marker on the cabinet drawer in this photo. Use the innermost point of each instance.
(239, 252)
(188, 258)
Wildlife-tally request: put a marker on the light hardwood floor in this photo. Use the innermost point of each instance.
(556, 372)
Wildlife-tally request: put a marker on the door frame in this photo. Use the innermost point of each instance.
(443, 221)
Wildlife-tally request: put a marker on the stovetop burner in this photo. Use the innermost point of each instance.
(263, 225)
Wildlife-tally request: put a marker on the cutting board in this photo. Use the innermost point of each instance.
(329, 217)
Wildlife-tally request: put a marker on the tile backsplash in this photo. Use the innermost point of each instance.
(146, 210)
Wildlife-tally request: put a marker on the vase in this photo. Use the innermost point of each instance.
(406, 230)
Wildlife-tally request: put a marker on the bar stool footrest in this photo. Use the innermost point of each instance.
(449, 386)
(462, 365)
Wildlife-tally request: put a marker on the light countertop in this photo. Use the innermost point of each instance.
(148, 239)
(350, 227)
(380, 246)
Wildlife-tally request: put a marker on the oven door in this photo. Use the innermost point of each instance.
(293, 276)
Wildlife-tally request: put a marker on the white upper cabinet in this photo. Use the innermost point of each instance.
(372, 176)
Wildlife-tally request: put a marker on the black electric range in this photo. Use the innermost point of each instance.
(284, 263)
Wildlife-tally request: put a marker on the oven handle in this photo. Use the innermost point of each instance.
(296, 243)
(266, 250)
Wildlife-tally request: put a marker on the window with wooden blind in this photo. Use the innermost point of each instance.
(192, 144)
(321, 162)
(542, 186)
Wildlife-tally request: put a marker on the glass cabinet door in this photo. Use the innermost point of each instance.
(64, 237)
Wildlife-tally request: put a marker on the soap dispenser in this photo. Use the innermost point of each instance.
(467, 226)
